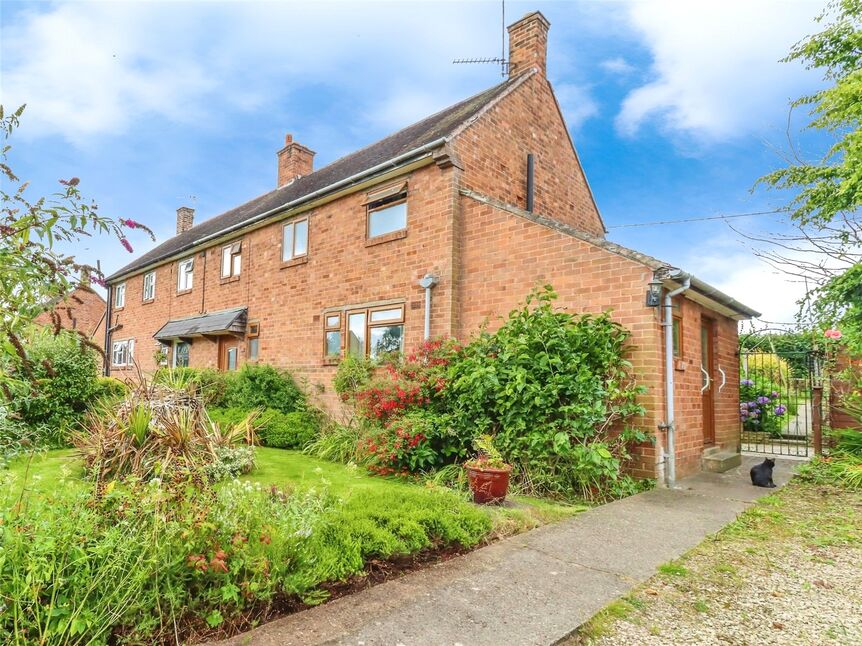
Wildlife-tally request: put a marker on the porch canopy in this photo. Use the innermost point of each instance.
(231, 321)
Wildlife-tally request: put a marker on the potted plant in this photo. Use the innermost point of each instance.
(488, 474)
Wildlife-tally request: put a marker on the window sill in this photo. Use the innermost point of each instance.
(148, 301)
(183, 292)
(118, 309)
(386, 237)
(331, 361)
(229, 279)
(294, 262)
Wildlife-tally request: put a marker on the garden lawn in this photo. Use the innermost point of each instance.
(787, 571)
(46, 472)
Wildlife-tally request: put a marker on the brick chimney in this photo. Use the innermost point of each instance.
(294, 160)
(528, 44)
(185, 219)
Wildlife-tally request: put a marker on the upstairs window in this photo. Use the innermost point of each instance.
(231, 260)
(149, 291)
(294, 241)
(386, 210)
(185, 274)
(375, 332)
(120, 295)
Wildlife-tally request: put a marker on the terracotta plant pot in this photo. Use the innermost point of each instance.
(489, 486)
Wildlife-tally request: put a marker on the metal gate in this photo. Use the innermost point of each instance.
(779, 402)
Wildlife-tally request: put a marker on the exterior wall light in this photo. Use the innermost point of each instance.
(653, 295)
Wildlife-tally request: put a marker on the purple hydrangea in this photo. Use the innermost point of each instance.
(747, 382)
(744, 406)
(774, 394)
(743, 414)
(762, 400)
(780, 410)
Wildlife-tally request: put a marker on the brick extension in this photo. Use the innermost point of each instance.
(467, 225)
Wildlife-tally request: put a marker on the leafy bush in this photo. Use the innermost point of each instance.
(230, 462)
(344, 443)
(110, 388)
(839, 468)
(156, 431)
(148, 562)
(260, 386)
(61, 386)
(848, 440)
(288, 430)
(16, 438)
(352, 375)
(555, 391)
(761, 408)
(211, 385)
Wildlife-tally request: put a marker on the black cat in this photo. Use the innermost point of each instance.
(761, 474)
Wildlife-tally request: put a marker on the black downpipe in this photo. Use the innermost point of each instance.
(530, 182)
(107, 366)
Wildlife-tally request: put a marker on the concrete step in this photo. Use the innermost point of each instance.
(717, 460)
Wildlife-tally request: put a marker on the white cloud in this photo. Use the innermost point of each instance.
(617, 65)
(576, 103)
(715, 65)
(88, 69)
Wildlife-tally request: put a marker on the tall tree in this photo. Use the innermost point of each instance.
(34, 271)
(827, 250)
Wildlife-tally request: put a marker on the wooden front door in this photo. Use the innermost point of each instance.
(707, 365)
(228, 353)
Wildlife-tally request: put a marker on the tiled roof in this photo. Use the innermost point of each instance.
(443, 124)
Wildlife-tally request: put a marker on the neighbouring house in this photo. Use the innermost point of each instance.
(432, 231)
(82, 311)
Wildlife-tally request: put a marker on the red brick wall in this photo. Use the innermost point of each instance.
(288, 301)
(83, 311)
(493, 152)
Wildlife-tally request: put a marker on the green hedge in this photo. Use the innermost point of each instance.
(278, 430)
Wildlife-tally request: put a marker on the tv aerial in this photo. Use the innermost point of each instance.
(499, 60)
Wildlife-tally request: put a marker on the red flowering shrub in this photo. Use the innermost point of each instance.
(409, 444)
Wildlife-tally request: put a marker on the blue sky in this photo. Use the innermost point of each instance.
(675, 107)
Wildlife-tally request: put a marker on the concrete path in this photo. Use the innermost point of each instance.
(531, 589)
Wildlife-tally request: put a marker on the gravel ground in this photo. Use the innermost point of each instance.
(788, 571)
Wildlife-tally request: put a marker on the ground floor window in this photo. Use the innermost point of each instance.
(181, 354)
(121, 352)
(372, 332)
(252, 333)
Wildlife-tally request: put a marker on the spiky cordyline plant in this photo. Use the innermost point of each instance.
(156, 430)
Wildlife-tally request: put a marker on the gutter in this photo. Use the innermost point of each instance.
(391, 163)
(670, 424)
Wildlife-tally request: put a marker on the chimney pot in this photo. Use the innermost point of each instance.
(294, 160)
(185, 219)
(528, 44)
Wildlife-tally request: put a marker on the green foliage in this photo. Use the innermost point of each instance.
(847, 440)
(839, 305)
(263, 386)
(833, 185)
(488, 456)
(110, 389)
(552, 388)
(61, 386)
(34, 272)
(146, 562)
(352, 375)
(16, 438)
(230, 462)
(211, 385)
(840, 468)
(344, 443)
(793, 347)
(288, 430)
(761, 406)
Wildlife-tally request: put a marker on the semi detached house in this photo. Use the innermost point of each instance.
(432, 231)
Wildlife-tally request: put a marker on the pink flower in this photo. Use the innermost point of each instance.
(832, 334)
(126, 244)
(130, 223)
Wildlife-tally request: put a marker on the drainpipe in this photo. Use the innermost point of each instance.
(670, 423)
(427, 282)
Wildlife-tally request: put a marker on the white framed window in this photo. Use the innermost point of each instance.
(294, 240)
(149, 291)
(231, 260)
(120, 295)
(122, 352)
(185, 274)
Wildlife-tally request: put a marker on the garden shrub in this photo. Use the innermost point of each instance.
(344, 443)
(230, 462)
(263, 386)
(555, 391)
(288, 430)
(147, 562)
(211, 384)
(16, 438)
(110, 388)
(61, 387)
(352, 376)
(761, 407)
